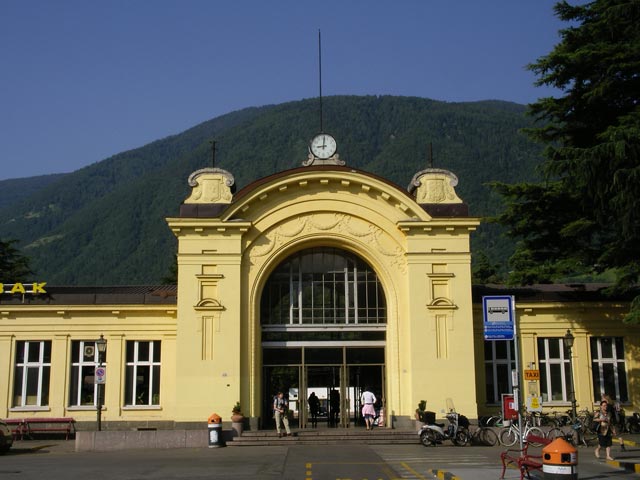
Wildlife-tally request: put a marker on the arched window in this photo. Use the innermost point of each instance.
(323, 286)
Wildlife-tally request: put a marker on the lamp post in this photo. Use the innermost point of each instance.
(568, 344)
(101, 345)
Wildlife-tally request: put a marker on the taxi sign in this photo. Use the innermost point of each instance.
(532, 374)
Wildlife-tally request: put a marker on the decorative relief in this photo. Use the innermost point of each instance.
(313, 160)
(435, 185)
(210, 185)
(209, 304)
(343, 224)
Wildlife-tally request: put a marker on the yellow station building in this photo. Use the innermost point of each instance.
(321, 278)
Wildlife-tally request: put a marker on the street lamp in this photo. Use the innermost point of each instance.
(568, 344)
(101, 345)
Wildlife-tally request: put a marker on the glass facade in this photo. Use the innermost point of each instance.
(608, 367)
(32, 373)
(323, 286)
(142, 383)
(84, 360)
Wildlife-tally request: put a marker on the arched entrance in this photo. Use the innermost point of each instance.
(323, 318)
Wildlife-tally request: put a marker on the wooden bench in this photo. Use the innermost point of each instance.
(522, 459)
(46, 425)
(17, 427)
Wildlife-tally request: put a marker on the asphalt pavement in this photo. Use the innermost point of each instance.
(58, 460)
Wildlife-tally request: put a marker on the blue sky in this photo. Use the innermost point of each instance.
(83, 80)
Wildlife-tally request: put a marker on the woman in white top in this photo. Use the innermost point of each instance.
(368, 411)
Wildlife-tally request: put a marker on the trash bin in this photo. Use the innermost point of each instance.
(215, 431)
(560, 461)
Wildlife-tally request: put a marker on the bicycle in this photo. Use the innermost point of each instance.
(484, 436)
(510, 435)
(581, 433)
(492, 421)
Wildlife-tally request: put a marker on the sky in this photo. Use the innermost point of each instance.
(82, 80)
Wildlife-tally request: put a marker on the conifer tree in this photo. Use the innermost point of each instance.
(585, 216)
(14, 266)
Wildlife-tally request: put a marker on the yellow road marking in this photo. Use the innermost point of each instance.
(406, 466)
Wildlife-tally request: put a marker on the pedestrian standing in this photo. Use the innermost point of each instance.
(604, 430)
(368, 411)
(281, 413)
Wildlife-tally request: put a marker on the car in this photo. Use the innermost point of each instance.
(6, 437)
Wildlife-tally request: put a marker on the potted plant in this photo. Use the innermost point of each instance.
(237, 419)
(236, 413)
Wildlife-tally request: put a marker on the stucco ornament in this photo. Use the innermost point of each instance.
(337, 223)
(210, 185)
(313, 160)
(434, 185)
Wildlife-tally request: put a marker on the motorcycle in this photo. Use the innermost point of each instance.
(633, 423)
(432, 433)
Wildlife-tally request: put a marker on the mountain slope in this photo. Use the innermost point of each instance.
(104, 224)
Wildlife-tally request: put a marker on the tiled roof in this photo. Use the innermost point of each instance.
(553, 292)
(97, 295)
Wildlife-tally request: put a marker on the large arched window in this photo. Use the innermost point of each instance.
(323, 286)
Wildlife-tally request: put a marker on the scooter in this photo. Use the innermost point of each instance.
(633, 423)
(457, 431)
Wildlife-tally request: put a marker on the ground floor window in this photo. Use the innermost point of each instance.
(608, 366)
(84, 360)
(555, 370)
(143, 373)
(32, 372)
(499, 361)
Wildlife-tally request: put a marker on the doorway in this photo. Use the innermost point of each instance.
(337, 376)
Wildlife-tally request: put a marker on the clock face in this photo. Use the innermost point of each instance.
(323, 146)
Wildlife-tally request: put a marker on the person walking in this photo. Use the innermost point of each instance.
(603, 418)
(368, 410)
(281, 413)
(314, 408)
(616, 414)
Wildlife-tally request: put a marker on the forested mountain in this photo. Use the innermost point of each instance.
(104, 224)
(15, 190)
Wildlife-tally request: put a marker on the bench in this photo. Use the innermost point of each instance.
(21, 427)
(522, 459)
(17, 427)
(45, 425)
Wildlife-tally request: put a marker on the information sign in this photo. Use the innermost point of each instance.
(532, 374)
(100, 375)
(498, 317)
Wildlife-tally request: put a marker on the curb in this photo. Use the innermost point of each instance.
(627, 466)
(443, 475)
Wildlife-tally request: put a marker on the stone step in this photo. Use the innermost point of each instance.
(335, 437)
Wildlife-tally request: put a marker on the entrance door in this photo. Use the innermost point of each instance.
(283, 379)
(337, 376)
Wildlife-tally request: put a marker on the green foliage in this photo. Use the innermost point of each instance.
(484, 270)
(104, 224)
(15, 190)
(14, 266)
(585, 217)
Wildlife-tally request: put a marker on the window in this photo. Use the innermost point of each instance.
(555, 370)
(609, 372)
(323, 286)
(84, 360)
(143, 373)
(499, 361)
(33, 369)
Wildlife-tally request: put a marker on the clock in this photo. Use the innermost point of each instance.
(323, 146)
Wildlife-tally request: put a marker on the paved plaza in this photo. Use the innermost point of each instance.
(57, 460)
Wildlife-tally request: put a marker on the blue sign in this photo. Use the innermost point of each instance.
(499, 318)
